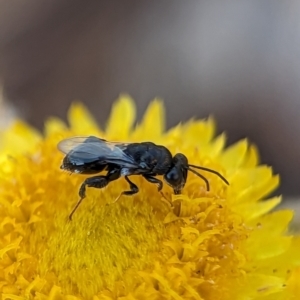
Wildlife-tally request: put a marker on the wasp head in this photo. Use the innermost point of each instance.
(177, 175)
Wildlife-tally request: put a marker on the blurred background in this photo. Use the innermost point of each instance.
(237, 60)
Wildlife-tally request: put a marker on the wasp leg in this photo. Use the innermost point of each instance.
(98, 182)
(154, 180)
(133, 189)
(159, 187)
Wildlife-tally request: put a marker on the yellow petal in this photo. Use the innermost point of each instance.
(54, 125)
(19, 138)
(81, 121)
(199, 132)
(259, 285)
(274, 223)
(256, 191)
(280, 265)
(293, 285)
(121, 119)
(251, 210)
(248, 183)
(153, 123)
(273, 243)
(252, 157)
(214, 148)
(234, 156)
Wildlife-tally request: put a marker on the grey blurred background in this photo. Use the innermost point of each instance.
(237, 60)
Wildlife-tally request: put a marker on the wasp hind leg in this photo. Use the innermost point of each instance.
(133, 189)
(98, 182)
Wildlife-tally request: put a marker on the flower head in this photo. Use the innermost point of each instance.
(217, 244)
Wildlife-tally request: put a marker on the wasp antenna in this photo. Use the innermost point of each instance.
(211, 171)
(201, 176)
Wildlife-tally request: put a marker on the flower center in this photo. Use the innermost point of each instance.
(101, 243)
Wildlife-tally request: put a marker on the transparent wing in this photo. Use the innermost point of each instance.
(91, 148)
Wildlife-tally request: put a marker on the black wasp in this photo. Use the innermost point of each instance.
(91, 155)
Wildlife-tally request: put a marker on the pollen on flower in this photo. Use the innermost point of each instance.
(217, 244)
(101, 244)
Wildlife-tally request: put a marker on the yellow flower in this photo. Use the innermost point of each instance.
(221, 244)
